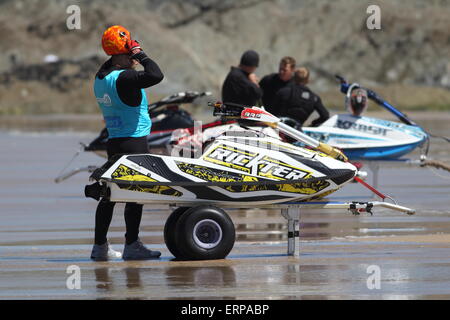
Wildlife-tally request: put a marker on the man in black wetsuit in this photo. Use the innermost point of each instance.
(297, 101)
(272, 83)
(241, 84)
(122, 99)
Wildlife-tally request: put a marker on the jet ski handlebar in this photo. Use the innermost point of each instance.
(372, 95)
(178, 98)
(227, 110)
(234, 111)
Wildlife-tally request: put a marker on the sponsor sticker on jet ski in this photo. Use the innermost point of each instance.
(127, 174)
(257, 114)
(254, 163)
(214, 175)
(345, 124)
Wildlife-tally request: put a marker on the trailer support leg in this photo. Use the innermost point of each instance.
(293, 216)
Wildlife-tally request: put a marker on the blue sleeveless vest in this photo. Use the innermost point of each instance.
(121, 119)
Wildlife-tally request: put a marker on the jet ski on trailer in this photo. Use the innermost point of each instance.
(235, 170)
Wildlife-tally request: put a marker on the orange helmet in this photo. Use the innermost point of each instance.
(116, 40)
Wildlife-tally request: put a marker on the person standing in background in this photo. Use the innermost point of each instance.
(298, 102)
(272, 83)
(241, 84)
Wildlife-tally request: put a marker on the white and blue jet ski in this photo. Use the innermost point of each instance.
(366, 138)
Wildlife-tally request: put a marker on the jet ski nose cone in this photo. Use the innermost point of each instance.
(343, 172)
(344, 176)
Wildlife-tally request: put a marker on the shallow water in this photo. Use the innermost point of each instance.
(46, 227)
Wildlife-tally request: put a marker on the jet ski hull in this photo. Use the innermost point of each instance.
(228, 172)
(381, 153)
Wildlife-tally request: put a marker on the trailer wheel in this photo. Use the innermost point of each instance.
(204, 232)
(169, 230)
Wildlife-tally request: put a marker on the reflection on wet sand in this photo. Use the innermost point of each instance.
(184, 280)
(133, 278)
(103, 279)
(108, 284)
(199, 278)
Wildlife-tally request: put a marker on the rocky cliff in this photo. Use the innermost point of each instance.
(195, 43)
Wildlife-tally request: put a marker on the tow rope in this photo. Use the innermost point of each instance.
(436, 164)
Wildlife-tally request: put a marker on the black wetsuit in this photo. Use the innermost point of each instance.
(270, 85)
(129, 85)
(237, 88)
(298, 102)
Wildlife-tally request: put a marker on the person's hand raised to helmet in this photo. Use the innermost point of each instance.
(135, 47)
(136, 51)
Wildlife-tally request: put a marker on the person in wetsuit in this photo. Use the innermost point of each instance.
(297, 101)
(120, 95)
(241, 84)
(272, 83)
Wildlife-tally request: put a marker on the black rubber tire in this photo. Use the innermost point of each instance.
(169, 230)
(214, 220)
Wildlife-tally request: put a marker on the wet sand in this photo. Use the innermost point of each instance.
(46, 227)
